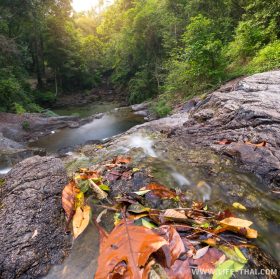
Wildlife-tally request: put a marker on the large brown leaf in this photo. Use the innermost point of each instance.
(68, 199)
(179, 270)
(161, 191)
(175, 246)
(206, 263)
(126, 251)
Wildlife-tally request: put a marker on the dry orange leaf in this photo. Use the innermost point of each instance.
(128, 244)
(161, 191)
(122, 160)
(251, 233)
(68, 199)
(224, 141)
(81, 220)
(261, 144)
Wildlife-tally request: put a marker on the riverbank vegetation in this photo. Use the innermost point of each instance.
(170, 50)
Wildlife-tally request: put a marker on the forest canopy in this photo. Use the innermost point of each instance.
(163, 49)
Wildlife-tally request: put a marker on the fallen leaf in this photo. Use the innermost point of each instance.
(79, 200)
(238, 225)
(113, 175)
(122, 160)
(239, 206)
(142, 193)
(148, 224)
(261, 144)
(179, 270)
(251, 233)
(104, 187)
(161, 191)
(200, 253)
(175, 246)
(236, 222)
(207, 262)
(174, 214)
(226, 269)
(224, 141)
(130, 244)
(138, 208)
(233, 253)
(68, 199)
(81, 220)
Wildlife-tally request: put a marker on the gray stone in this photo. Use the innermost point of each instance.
(32, 235)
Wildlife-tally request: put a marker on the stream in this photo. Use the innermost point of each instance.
(113, 122)
(227, 185)
(219, 191)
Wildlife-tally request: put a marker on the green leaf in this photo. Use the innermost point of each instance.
(226, 269)
(83, 185)
(96, 180)
(205, 225)
(137, 208)
(104, 187)
(234, 254)
(135, 170)
(240, 254)
(148, 224)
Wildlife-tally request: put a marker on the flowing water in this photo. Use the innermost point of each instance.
(219, 191)
(113, 122)
(225, 185)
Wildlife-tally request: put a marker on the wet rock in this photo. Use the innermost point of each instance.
(142, 113)
(248, 113)
(139, 107)
(32, 233)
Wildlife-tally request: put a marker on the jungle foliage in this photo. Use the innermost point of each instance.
(145, 47)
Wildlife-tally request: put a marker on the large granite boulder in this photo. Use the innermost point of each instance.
(32, 235)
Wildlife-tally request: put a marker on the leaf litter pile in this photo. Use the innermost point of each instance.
(150, 242)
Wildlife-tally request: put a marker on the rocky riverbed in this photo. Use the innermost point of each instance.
(229, 140)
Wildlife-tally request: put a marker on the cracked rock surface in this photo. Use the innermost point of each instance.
(248, 111)
(32, 236)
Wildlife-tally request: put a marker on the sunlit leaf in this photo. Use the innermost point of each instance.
(226, 269)
(239, 206)
(236, 222)
(130, 244)
(142, 193)
(233, 253)
(174, 214)
(148, 224)
(104, 187)
(68, 199)
(81, 220)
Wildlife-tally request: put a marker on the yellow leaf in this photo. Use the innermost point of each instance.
(236, 222)
(251, 233)
(239, 206)
(81, 220)
(79, 200)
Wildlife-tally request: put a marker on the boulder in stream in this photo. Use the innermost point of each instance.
(32, 223)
